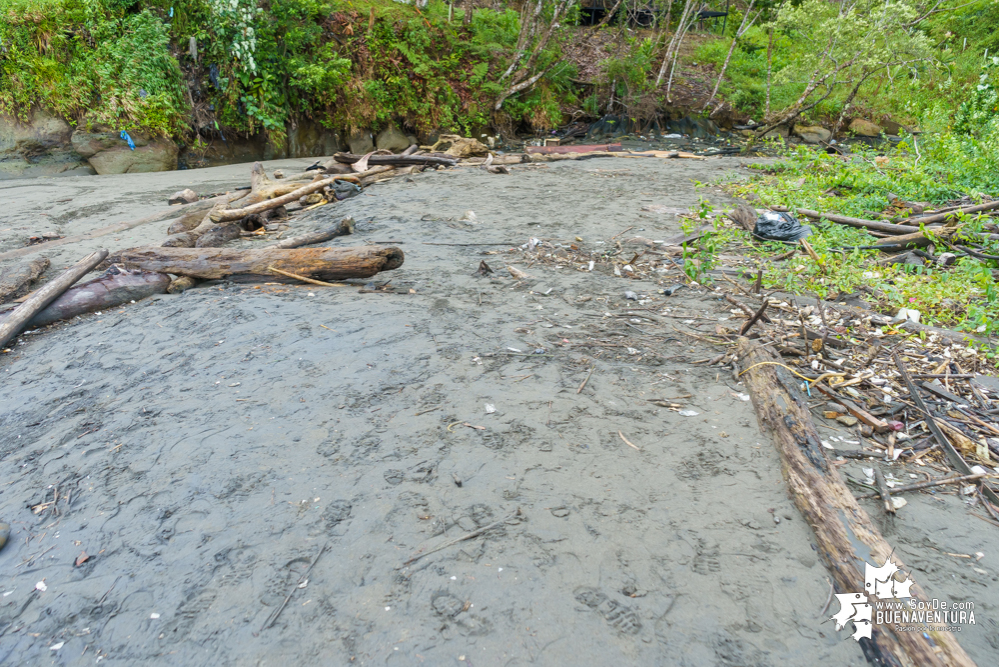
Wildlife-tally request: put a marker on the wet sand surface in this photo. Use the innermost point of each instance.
(202, 449)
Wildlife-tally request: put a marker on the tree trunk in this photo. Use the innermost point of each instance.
(843, 531)
(42, 297)
(770, 49)
(251, 264)
(108, 291)
(848, 102)
(731, 49)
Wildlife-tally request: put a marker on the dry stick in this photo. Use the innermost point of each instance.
(759, 313)
(925, 485)
(879, 477)
(587, 379)
(843, 531)
(952, 454)
(466, 536)
(46, 295)
(306, 280)
(277, 612)
(627, 442)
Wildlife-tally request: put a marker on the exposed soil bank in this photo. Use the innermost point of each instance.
(204, 447)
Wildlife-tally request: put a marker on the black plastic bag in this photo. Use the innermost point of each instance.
(775, 226)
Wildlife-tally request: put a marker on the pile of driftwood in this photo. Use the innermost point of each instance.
(900, 403)
(193, 249)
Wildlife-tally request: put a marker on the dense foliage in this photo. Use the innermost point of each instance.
(132, 64)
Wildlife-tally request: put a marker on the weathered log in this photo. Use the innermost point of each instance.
(112, 289)
(14, 281)
(251, 264)
(230, 215)
(844, 533)
(397, 160)
(891, 228)
(219, 235)
(558, 157)
(37, 302)
(859, 222)
(916, 240)
(342, 228)
(942, 217)
(593, 148)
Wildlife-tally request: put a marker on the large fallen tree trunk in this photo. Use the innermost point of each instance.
(252, 264)
(42, 297)
(14, 281)
(845, 535)
(112, 289)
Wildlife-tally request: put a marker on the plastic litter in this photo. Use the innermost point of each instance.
(124, 135)
(775, 226)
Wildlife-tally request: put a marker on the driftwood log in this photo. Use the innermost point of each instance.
(397, 160)
(14, 281)
(112, 289)
(891, 228)
(845, 535)
(342, 228)
(20, 316)
(252, 264)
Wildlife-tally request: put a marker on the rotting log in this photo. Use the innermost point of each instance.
(14, 281)
(252, 264)
(845, 535)
(112, 289)
(342, 228)
(42, 297)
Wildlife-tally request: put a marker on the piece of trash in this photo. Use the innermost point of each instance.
(669, 291)
(517, 273)
(688, 413)
(592, 264)
(40, 586)
(513, 349)
(56, 647)
(484, 269)
(899, 502)
(490, 408)
(743, 397)
(780, 227)
(81, 559)
(124, 135)
(539, 350)
(632, 350)
(305, 582)
(906, 314)
(154, 615)
(469, 217)
(969, 490)
(631, 296)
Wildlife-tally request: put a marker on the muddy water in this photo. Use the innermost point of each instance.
(202, 449)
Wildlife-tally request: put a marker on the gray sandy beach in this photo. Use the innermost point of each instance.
(217, 451)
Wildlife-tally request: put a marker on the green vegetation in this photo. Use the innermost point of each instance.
(948, 166)
(128, 64)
